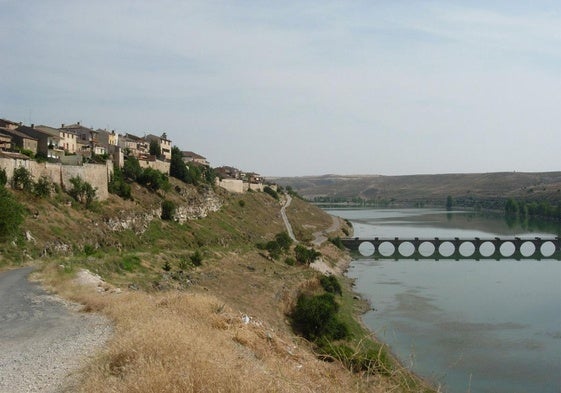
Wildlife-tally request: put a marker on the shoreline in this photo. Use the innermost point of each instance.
(362, 306)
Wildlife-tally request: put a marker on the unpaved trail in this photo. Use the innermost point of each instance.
(43, 339)
(285, 218)
(321, 236)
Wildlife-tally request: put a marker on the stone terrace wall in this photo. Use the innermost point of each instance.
(96, 174)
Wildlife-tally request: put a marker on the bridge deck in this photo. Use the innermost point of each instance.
(456, 248)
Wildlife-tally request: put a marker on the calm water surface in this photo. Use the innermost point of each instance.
(468, 326)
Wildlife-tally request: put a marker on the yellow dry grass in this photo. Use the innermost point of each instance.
(188, 342)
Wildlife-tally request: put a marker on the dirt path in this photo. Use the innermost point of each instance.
(285, 219)
(43, 339)
(321, 236)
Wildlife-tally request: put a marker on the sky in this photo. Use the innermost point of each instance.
(295, 88)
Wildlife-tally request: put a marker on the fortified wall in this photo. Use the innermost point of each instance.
(97, 175)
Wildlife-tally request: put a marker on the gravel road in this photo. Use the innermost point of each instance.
(43, 339)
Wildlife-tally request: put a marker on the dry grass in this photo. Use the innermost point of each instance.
(188, 342)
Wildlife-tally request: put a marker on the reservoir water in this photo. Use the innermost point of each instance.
(467, 326)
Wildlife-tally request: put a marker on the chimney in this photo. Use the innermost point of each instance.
(32, 125)
(78, 123)
(62, 126)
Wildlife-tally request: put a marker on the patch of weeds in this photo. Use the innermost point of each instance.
(130, 263)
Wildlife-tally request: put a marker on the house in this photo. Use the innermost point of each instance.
(106, 138)
(253, 178)
(163, 142)
(10, 125)
(67, 139)
(48, 140)
(88, 139)
(134, 146)
(5, 142)
(227, 172)
(189, 156)
(20, 140)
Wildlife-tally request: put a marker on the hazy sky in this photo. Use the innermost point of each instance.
(299, 87)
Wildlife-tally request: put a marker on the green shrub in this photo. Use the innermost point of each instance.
(166, 267)
(118, 186)
(331, 284)
(131, 169)
(3, 177)
(241, 203)
(196, 258)
(274, 249)
(82, 191)
(284, 240)
(89, 249)
(168, 210)
(22, 179)
(315, 317)
(290, 261)
(153, 179)
(43, 187)
(271, 192)
(130, 263)
(306, 255)
(11, 214)
(337, 242)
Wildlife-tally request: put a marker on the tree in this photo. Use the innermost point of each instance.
(11, 214)
(132, 169)
(315, 317)
(43, 187)
(22, 179)
(155, 149)
(153, 179)
(449, 202)
(168, 210)
(118, 185)
(82, 191)
(284, 240)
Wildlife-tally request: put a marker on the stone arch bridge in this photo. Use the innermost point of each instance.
(456, 248)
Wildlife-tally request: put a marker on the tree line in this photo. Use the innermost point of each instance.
(534, 209)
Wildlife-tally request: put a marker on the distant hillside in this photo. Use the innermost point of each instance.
(467, 189)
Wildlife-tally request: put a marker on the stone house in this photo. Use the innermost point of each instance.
(20, 140)
(88, 139)
(134, 146)
(163, 142)
(5, 142)
(68, 139)
(48, 140)
(189, 156)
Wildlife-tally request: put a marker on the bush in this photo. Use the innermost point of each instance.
(284, 240)
(22, 179)
(196, 258)
(305, 255)
(274, 249)
(3, 177)
(117, 185)
(337, 242)
(271, 192)
(331, 284)
(11, 214)
(130, 263)
(290, 261)
(154, 179)
(315, 317)
(241, 203)
(168, 210)
(43, 187)
(82, 191)
(131, 169)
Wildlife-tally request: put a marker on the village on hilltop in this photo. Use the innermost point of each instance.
(76, 150)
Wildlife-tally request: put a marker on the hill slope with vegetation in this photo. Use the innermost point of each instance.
(210, 296)
(487, 190)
